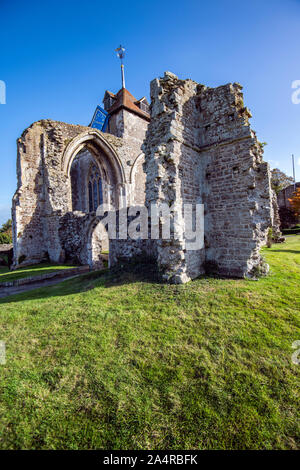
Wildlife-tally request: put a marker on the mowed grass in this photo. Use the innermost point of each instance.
(29, 271)
(122, 362)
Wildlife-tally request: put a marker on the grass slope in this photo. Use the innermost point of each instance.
(125, 363)
(29, 271)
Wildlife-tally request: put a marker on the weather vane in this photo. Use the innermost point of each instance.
(121, 54)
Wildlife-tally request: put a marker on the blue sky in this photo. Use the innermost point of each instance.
(57, 59)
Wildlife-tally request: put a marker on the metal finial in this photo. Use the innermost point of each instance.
(121, 54)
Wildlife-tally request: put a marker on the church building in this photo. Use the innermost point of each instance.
(196, 148)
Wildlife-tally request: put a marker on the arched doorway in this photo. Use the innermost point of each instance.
(96, 176)
(98, 246)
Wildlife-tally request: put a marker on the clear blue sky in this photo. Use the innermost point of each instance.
(57, 59)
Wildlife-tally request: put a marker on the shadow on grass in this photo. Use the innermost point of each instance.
(119, 276)
(297, 252)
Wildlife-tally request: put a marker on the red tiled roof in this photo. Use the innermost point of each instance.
(124, 99)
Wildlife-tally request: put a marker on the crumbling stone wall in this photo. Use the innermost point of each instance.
(131, 250)
(287, 217)
(276, 232)
(286, 194)
(44, 194)
(82, 239)
(200, 148)
(6, 254)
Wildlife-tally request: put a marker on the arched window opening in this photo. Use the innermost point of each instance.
(95, 189)
(100, 191)
(90, 197)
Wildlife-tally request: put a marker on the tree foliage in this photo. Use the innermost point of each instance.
(295, 202)
(5, 238)
(279, 180)
(6, 226)
(6, 232)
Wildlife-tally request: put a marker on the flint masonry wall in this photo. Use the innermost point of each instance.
(200, 148)
(237, 189)
(44, 195)
(286, 194)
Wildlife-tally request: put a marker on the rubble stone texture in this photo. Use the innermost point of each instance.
(198, 148)
(287, 216)
(286, 194)
(51, 216)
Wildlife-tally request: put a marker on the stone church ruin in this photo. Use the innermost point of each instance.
(193, 144)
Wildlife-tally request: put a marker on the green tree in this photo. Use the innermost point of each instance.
(280, 180)
(295, 202)
(6, 232)
(5, 238)
(6, 226)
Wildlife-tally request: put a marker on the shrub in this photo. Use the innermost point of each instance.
(5, 238)
(270, 237)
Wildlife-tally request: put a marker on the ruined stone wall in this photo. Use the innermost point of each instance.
(171, 165)
(236, 187)
(73, 231)
(28, 201)
(130, 250)
(200, 148)
(286, 194)
(83, 239)
(287, 216)
(44, 192)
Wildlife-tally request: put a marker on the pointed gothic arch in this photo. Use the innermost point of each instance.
(97, 144)
(97, 240)
(106, 159)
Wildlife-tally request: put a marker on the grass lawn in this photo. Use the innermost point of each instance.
(29, 271)
(127, 363)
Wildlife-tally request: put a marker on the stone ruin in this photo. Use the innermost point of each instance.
(193, 145)
(287, 217)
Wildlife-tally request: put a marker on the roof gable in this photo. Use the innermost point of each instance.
(124, 99)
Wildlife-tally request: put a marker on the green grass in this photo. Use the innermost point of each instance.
(29, 271)
(122, 362)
